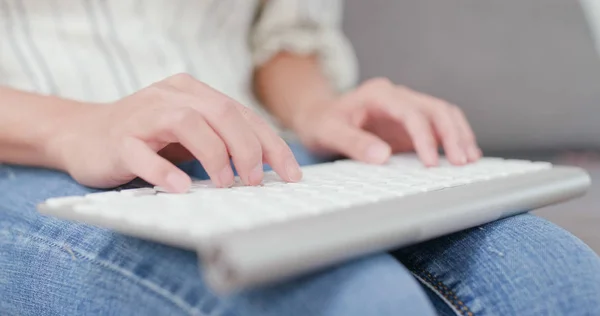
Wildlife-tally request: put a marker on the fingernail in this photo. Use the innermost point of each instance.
(378, 153)
(293, 170)
(256, 175)
(473, 153)
(226, 177)
(431, 159)
(178, 182)
(460, 154)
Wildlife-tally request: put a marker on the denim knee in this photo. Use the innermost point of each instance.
(522, 265)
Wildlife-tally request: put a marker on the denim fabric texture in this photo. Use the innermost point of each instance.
(522, 265)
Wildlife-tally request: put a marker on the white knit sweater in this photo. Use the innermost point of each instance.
(102, 50)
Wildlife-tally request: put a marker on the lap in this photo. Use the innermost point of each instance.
(521, 265)
(50, 267)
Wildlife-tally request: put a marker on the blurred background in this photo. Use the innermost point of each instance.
(526, 73)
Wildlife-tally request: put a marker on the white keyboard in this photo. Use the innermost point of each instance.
(207, 214)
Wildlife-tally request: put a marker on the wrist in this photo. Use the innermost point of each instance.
(29, 123)
(59, 132)
(303, 114)
(293, 88)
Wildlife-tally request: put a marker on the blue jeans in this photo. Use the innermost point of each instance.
(521, 265)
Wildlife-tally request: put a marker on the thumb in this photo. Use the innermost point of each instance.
(355, 143)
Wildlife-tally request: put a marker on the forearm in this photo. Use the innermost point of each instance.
(28, 124)
(291, 85)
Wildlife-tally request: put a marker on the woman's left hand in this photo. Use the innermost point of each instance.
(380, 118)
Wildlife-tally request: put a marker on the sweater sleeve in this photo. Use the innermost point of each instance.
(306, 27)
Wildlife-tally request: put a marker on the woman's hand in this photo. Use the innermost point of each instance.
(176, 119)
(380, 118)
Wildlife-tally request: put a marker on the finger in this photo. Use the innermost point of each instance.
(447, 126)
(468, 136)
(240, 139)
(222, 116)
(419, 128)
(354, 143)
(275, 150)
(148, 165)
(388, 99)
(200, 139)
(447, 129)
(184, 125)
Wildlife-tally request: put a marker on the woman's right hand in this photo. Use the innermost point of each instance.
(173, 120)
